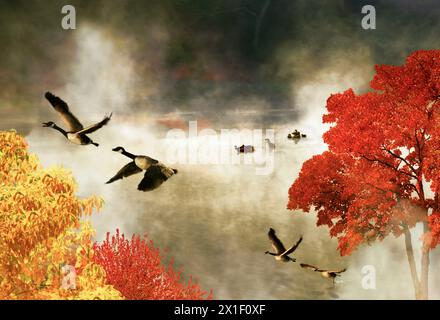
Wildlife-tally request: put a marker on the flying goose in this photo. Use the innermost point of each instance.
(77, 133)
(156, 173)
(329, 274)
(281, 253)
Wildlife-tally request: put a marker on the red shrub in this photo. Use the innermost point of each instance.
(134, 268)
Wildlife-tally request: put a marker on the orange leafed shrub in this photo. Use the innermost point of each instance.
(40, 230)
(134, 267)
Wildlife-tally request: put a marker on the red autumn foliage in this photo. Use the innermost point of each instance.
(135, 269)
(381, 174)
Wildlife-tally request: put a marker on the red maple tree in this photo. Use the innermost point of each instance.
(381, 173)
(135, 269)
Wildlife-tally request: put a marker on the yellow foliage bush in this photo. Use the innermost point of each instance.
(41, 230)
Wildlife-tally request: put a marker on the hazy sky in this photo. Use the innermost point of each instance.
(158, 65)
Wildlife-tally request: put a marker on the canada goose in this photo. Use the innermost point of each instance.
(155, 172)
(270, 144)
(244, 149)
(296, 135)
(77, 133)
(281, 253)
(329, 274)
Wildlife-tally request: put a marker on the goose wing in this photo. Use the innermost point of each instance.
(63, 109)
(153, 178)
(309, 267)
(276, 243)
(127, 170)
(167, 172)
(96, 126)
(336, 271)
(293, 248)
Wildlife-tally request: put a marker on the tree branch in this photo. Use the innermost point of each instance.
(414, 187)
(401, 158)
(390, 166)
(419, 148)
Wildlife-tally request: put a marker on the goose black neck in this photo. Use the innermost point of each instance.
(60, 130)
(128, 154)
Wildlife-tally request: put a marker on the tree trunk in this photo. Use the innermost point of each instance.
(411, 261)
(425, 268)
(420, 286)
(422, 291)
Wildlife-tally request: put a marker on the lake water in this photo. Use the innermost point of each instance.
(213, 219)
